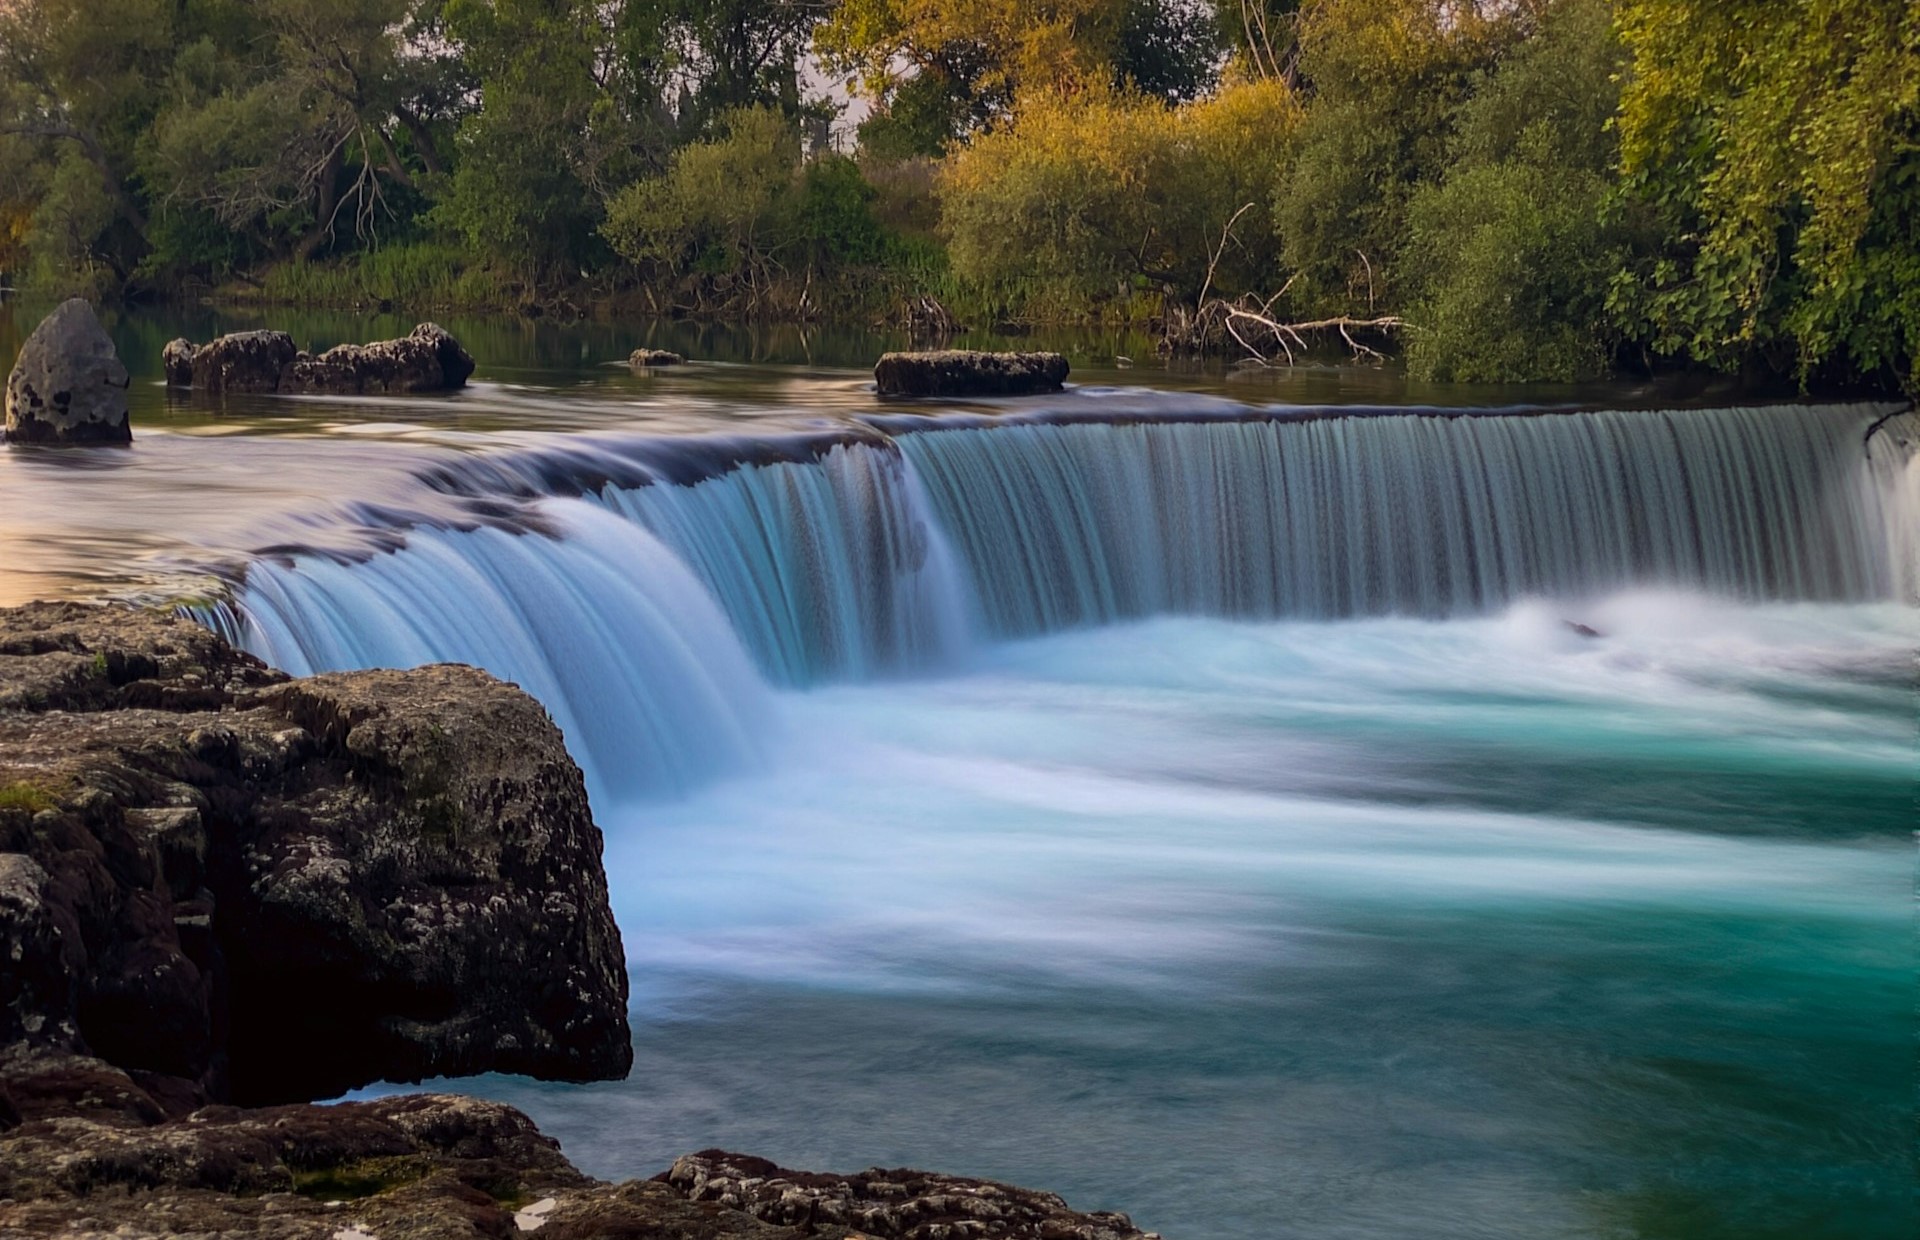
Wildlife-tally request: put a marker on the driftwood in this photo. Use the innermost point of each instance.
(1248, 325)
(925, 318)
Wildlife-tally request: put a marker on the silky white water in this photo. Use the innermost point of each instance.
(1267, 829)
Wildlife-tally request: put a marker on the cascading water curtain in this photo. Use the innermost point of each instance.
(1063, 525)
(653, 621)
(828, 569)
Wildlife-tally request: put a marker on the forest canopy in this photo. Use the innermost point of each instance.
(1521, 189)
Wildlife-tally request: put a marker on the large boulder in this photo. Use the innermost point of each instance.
(68, 385)
(427, 359)
(967, 372)
(236, 886)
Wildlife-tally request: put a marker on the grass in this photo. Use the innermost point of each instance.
(25, 797)
(425, 275)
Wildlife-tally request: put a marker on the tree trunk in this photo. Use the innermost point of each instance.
(326, 199)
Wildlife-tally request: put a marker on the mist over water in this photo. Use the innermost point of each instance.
(1347, 828)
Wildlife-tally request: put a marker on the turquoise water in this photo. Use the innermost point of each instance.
(1168, 794)
(1373, 928)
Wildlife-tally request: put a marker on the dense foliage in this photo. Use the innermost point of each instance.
(1535, 189)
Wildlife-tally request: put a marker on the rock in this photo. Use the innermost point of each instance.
(893, 1205)
(650, 359)
(241, 363)
(1582, 630)
(441, 1166)
(427, 359)
(68, 385)
(176, 362)
(963, 372)
(261, 889)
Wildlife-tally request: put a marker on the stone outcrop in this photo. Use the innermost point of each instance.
(442, 1167)
(427, 359)
(899, 1204)
(965, 372)
(653, 359)
(235, 886)
(68, 385)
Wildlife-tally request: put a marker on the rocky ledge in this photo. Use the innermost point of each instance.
(223, 890)
(239, 887)
(964, 372)
(427, 359)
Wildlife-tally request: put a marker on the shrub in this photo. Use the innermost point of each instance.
(1081, 198)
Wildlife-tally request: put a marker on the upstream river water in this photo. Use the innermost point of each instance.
(1190, 794)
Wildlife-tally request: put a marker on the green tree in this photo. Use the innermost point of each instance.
(1775, 149)
(1508, 257)
(1081, 197)
(1387, 82)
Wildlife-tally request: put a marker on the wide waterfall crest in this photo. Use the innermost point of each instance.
(650, 617)
(1069, 524)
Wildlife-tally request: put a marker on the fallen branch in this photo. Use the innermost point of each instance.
(1218, 325)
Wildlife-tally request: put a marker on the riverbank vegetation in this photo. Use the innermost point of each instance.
(1502, 189)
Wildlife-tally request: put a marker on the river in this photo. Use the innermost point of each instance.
(1271, 803)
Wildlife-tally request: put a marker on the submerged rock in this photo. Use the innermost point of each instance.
(427, 359)
(68, 385)
(237, 886)
(966, 372)
(652, 359)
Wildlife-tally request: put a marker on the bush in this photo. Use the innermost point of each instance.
(1507, 260)
(712, 210)
(1084, 198)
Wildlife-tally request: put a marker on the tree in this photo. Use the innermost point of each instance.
(1508, 256)
(943, 68)
(78, 87)
(1776, 150)
(1079, 197)
(1387, 81)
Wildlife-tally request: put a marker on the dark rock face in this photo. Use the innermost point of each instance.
(68, 385)
(964, 372)
(893, 1205)
(236, 886)
(427, 359)
(652, 359)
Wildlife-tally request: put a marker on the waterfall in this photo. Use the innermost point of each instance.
(1062, 525)
(652, 616)
(827, 568)
(602, 624)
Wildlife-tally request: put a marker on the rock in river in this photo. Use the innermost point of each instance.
(68, 385)
(966, 372)
(427, 359)
(240, 887)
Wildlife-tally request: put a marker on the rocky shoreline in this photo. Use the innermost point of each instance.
(225, 892)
